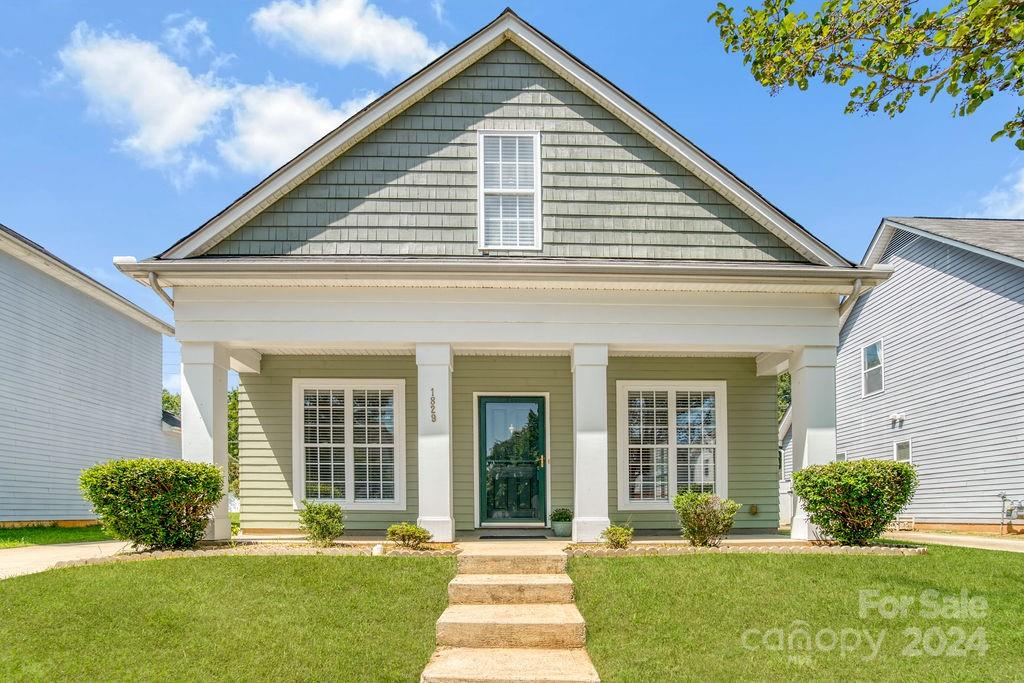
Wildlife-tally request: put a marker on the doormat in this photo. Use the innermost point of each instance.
(509, 538)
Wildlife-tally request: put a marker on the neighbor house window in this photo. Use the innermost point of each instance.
(841, 457)
(872, 379)
(672, 438)
(509, 179)
(901, 451)
(348, 444)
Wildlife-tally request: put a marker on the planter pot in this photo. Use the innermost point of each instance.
(562, 529)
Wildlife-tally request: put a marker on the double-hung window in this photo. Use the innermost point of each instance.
(671, 439)
(901, 451)
(347, 443)
(872, 377)
(509, 198)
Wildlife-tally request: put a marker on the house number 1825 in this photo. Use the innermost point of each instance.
(433, 406)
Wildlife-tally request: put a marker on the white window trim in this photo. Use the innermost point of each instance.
(298, 452)
(538, 232)
(910, 444)
(622, 388)
(863, 373)
(846, 456)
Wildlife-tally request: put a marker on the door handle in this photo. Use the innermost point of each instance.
(540, 461)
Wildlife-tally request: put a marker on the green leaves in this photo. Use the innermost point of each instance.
(705, 518)
(323, 523)
(968, 50)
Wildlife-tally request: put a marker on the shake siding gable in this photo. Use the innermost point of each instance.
(410, 188)
(953, 325)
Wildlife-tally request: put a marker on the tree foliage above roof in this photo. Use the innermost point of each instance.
(891, 51)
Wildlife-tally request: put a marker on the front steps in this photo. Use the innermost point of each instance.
(511, 619)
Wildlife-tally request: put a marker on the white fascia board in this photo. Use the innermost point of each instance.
(509, 26)
(28, 253)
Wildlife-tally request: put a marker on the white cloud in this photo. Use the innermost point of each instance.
(132, 84)
(1006, 200)
(172, 381)
(274, 122)
(185, 36)
(342, 32)
(438, 8)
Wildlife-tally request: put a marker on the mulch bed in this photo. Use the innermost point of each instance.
(590, 550)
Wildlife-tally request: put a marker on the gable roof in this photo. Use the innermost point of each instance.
(31, 253)
(1001, 239)
(507, 26)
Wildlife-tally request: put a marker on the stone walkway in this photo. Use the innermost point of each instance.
(38, 558)
(1013, 544)
(511, 618)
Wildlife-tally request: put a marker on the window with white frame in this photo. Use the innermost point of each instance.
(901, 451)
(872, 378)
(509, 199)
(672, 438)
(841, 456)
(348, 443)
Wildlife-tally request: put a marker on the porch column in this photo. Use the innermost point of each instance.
(813, 369)
(590, 441)
(204, 419)
(434, 445)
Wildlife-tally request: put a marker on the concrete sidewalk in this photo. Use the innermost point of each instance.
(1013, 544)
(38, 558)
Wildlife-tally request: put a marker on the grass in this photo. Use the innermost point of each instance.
(684, 617)
(48, 535)
(225, 618)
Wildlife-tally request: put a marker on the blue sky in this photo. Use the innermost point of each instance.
(128, 124)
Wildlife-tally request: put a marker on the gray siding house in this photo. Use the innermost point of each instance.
(80, 382)
(931, 366)
(503, 288)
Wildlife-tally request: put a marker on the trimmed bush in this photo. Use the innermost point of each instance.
(853, 501)
(704, 517)
(618, 535)
(324, 523)
(154, 503)
(561, 515)
(408, 535)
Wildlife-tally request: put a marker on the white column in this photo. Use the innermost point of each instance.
(590, 441)
(813, 369)
(434, 445)
(204, 418)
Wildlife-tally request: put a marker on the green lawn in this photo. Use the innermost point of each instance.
(47, 535)
(684, 617)
(225, 618)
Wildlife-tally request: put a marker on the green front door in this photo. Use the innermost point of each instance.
(512, 459)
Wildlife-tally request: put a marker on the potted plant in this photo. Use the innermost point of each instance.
(561, 522)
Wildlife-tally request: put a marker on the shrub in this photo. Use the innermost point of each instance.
(704, 517)
(561, 515)
(854, 501)
(154, 503)
(408, 535)
(618, 535)
(324, 523)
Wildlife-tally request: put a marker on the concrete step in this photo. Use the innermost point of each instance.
(544, 626)
(509, 589)
(512, 564)
(499, 665)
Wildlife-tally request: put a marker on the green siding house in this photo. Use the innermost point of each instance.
(502, 288)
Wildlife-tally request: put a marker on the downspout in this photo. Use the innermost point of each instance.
(844, 307)
(154, 284)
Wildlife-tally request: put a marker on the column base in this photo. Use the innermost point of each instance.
(218, 529)
(588, 529)
(802, 529)
(442, 529)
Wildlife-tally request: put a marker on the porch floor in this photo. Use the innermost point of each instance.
(524, 539)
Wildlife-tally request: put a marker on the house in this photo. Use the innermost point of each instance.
(80, 383)
(931, 366)
(503, 287)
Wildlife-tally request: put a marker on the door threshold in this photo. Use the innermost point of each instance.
(510, 525)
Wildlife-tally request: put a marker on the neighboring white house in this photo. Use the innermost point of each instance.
(931, 366)
(80, 382)
(502, 288)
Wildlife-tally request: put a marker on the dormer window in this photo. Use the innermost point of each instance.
(509, 197)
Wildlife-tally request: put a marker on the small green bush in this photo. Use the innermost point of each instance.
(408, 535)
(853, 501)
(618, 535)
(154, 503)
(324, 523)
(561, 515)
(704, 517)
